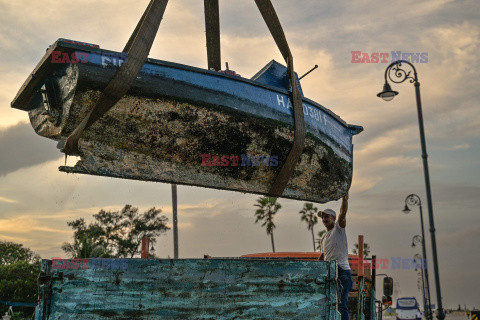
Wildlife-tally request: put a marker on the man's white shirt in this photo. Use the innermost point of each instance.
(334, 246)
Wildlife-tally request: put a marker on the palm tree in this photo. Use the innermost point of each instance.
(320, 235)
(366, 249)
(267, 208)
(309, 215)
(85, 248)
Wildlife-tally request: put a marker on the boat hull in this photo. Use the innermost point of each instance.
(184, 125)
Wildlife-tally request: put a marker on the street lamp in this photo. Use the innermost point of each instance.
(387, 94)
(397, 74)
(419, 264)
(416, 240)
(414, 200)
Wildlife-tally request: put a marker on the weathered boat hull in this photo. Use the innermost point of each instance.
(175, 120)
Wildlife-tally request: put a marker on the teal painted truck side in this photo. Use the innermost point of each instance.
(220, 288)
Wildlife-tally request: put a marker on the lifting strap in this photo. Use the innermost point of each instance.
(212, 32)
(137, 49)
(271, 19)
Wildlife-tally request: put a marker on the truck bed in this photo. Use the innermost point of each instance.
(220, 288)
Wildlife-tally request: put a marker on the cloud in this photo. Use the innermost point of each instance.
(4, 237)
(362, 183)
(457, 147)
(10, 82)
(21, 148)
(25, 224)
(7, 200)
(460, 238)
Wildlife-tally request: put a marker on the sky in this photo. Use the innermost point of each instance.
(36, 200)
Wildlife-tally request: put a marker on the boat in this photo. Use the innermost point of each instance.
(186, 125)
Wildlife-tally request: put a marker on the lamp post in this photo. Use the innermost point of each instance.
(175, 221)
(417, 260)
(397, 74)
(412, 200)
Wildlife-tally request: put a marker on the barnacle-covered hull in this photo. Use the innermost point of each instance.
(184, 125)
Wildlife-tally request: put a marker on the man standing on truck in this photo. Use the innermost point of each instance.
(334, 247)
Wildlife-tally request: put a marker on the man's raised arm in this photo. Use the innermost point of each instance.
(342, 218)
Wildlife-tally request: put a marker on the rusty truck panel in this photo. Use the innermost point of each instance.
(227, 288)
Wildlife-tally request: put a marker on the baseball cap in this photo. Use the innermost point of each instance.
(327, 211)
